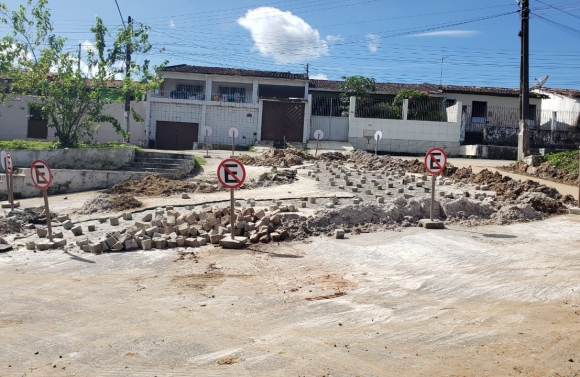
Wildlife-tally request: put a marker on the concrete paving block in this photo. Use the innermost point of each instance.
(86, 248)
(146, 244)
(118, 246)
(44, 245)
(215, 238)
(159, 242)
(30, 245)
(380, 200)
(77, 230)
(91, 228)
(62, 218)
(339, 234)
(428, 224)
(41, 232)
(95, 248)
(81, 243)
(148, 217)
(57, 235)
(400, 191)
(114, 221)
(172, 243)
(59, 242)
(67, 225)
(131, 245)
(128, 216)
(191, 242)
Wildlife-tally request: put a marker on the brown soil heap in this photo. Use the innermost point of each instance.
(109, 203)
(277, 157)
(157, 185)
(544, 171)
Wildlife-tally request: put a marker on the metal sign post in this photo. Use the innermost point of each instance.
(378, 136)
(42, 178)
(233, 132)
(435, 162)
(9, 180)
(207, 131)
(231, 174)
(318, 134)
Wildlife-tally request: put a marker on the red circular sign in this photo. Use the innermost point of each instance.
(8, 163)
(40, 174)
(231, 173)
(435, 161)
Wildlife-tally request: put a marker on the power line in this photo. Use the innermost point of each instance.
(119, 9)
(561, 10)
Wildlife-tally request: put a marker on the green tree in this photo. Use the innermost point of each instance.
(358, 86)
(33, 62)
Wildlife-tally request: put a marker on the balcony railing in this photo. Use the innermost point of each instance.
(185, 95)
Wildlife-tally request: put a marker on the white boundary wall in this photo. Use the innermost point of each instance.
(406, 136)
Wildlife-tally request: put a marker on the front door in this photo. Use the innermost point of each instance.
(176, 136)
(283, 120)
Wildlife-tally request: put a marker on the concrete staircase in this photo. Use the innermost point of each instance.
(170, 165)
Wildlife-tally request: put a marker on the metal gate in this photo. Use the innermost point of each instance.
(334, 128)
(176, 136)
(283, 120)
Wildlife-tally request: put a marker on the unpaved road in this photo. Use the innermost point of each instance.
(484, 301)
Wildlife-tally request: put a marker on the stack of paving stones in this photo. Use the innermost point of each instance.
(168, 228)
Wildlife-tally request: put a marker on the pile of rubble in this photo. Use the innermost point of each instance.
(544, 171)
(20, 221)
(277, 157)
(368, 161)
(109, 203)
(157, 185)
(168, 228)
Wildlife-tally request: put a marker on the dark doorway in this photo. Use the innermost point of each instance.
(177, 136)
(283, 120)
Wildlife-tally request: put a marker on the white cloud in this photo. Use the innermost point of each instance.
(374, 41)
(171, 24)
(283, 36)
(334, 38)
(448, 33)
(319, 76)
(87, 45)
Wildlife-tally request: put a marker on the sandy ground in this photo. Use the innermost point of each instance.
(485, 301)
(481, 301)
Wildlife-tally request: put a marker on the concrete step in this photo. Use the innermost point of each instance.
(161, 160)
(155, 170)
(173, 156)
(156, 165)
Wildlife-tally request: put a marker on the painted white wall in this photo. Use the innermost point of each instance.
(408, 136)
(558, 102)
(498, 101)
(221, 119)
(14, 122)
(173, 111)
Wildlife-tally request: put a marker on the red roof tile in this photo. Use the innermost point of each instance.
(184, 68)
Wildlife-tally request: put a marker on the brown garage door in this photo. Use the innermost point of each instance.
(176, 135)
(283, 120)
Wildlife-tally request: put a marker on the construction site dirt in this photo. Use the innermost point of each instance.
(337, 278)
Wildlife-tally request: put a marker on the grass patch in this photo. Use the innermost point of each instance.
(13, 145)
(567, 161)
(199, 162)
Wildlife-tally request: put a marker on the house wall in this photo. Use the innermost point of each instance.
(557, 102)
(406, 136)
(498, 101)
(14, 122)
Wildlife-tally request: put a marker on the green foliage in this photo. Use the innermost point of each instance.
(358, 86)
(12, 145)
(35, 62)
(251, 148)
(410, 94)
(567, 161)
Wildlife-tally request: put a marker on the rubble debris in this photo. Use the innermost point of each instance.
(277, 157)
(333, 156)
(109, 203)
(157, 185)
(22, 221)
(544, 171)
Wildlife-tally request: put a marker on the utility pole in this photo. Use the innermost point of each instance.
(524, 133)
(79, 60)
(128, 75)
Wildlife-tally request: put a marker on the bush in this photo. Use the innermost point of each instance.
(13, 145)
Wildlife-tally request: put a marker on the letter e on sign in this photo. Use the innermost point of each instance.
(40, 174)
(231, 173)
(435, 161)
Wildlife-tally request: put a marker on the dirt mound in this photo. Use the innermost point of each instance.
(109, 203)
(414, 166)
(370, 161)
(458, 173)
(333, 156)
(277, 157)
(543, 171)
(157, 185)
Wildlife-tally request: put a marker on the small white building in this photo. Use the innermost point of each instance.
(262, 105)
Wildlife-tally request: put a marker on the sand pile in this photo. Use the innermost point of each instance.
(109, 203)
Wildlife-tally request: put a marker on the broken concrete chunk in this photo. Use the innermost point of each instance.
(148, 217)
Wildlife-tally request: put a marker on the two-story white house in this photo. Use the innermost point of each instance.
(194, 101)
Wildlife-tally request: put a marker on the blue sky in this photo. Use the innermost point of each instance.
(391, 41)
